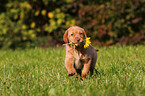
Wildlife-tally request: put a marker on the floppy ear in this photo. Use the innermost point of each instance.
(84, 33)
(65, 36)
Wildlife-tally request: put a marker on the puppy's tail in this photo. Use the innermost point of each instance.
(96, 50)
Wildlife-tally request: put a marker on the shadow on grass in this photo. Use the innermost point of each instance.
(95, 75)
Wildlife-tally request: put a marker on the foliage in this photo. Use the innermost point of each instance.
(25, 20)
(21, 21)
(13, 30)
(114, 21)
(121, 71)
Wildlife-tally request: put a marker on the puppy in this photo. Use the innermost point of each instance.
(78, 60)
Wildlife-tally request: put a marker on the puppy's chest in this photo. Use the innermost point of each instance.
(80, 59)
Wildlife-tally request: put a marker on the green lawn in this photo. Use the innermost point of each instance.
(121, 71)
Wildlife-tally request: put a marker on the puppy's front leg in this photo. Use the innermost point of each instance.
(69, 62)
(86, 69)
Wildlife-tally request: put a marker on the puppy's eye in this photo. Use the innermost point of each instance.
(72, 34)
(81, 33)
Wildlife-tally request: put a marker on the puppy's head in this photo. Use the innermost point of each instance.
(74, 34)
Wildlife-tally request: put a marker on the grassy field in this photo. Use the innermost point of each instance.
(121, 71)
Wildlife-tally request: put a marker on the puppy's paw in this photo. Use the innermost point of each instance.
(71, 73)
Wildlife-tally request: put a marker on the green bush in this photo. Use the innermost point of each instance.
(25, 20)
(13, 30)
(107, 22)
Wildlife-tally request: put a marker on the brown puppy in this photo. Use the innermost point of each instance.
(78, 57)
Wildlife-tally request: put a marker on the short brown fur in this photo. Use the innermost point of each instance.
(78, 60)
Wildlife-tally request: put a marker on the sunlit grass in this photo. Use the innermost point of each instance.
(120, 71)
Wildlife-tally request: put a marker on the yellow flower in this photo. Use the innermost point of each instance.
(37, 13)
(50, 15)
(33, 35)
(38, 30)
(32, 25)
(21, 15)
(24, 38)
(87, 42)
(67, 23)
(30, 31)
(59, 21)
(24, 26)
(43, 12)
(73, 22)
(4, 30)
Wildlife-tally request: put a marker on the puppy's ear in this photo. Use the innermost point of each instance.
(65, 36)
(84, 33)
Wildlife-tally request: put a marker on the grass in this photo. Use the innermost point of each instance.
(121, 71)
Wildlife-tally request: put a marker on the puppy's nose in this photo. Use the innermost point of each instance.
(78, 39)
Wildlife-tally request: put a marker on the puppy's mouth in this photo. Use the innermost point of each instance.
(79, 43)
(76, 43)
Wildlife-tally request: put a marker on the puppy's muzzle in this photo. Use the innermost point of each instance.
(78, 39)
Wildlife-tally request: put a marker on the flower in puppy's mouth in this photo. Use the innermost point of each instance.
(87, 42)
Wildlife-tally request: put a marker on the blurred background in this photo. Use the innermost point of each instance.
(31, 23)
